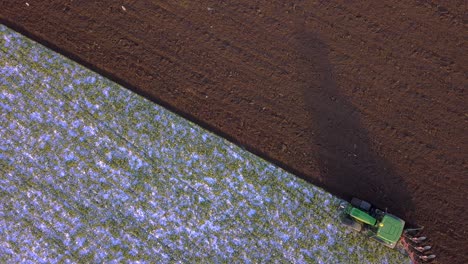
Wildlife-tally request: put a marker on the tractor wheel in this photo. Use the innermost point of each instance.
(356, 202)
(356, 226)
(363, 205)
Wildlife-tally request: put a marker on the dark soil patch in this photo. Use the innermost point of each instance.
(364, 99)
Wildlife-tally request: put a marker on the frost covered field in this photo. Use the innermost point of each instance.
(91, 172)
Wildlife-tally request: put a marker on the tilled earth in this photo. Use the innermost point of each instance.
(363, 98)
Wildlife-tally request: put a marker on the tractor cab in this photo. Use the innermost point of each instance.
(389, 230)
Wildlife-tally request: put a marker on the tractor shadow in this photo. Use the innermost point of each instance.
(348, 165)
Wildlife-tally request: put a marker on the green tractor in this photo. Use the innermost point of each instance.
(386, 229)
(383, 227)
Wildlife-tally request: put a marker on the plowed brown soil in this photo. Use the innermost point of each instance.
(364, 98)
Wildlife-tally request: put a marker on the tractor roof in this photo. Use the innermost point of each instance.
(362, 216)
(390, 228)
